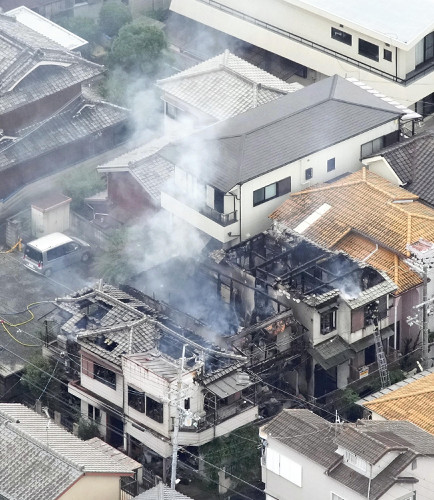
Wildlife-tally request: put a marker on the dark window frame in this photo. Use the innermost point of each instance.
(342, 36)
(281, 187)
(136, 400)
(104, 375)
(369, 50)
(387, 55)
(331, 164)
(154, 409)
(308, 173)
(328, 321)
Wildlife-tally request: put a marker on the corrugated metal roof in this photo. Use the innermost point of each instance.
(226, 386)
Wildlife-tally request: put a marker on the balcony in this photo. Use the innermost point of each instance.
(215, 224)
(222, 219)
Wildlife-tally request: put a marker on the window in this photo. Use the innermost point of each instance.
(104, 375)
(187, 404)
(371, 314)
(331, 164)
(387, 55)
(271, 191)
(341, 36)
(56, 252)
(335, 497)
(283, 466)
(372, 147)
(136, 399)
(154, 409)
(368, 49)
(358, 462)
(328, 322)
(308, 173)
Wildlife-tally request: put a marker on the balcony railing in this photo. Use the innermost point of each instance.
(411, 77)
(222, 219)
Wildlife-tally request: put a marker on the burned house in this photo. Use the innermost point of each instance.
(139, 367)
(46, 122)
(344, 306)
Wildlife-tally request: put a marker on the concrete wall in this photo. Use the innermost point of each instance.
(94, 487)
(347, 159)
(315, 28)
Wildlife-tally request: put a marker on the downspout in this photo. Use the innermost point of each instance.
(369, 484)
(396, 63)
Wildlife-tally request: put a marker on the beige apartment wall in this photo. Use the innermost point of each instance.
(94, 488)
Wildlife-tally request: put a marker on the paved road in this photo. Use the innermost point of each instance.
(20, 287)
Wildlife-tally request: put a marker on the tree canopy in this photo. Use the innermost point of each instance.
(138, 48)
(112, 17)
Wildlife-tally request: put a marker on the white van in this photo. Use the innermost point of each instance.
(54, 251)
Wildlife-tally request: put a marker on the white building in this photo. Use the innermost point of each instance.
(305, 457)
(134, 380)
(389, 45)
(229, 177)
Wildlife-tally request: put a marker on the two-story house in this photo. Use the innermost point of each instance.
(306, 457)
(390, 48)
(208, 92)
(138, 371)
(371, 220)
(341, 304)
(47, 123)
(228, 177)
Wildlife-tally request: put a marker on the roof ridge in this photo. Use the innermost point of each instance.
(387, 398)
(35, 441)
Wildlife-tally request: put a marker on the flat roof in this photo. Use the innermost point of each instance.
(47, 28)
(397, 21)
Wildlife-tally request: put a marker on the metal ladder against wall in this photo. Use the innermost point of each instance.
(381, 359)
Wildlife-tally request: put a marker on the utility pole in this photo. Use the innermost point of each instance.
(176, 424)
(425, 359)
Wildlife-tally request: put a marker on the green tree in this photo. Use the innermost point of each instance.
(112, 17)
(40, 379)
(114, 265)
(138, 48)
(87, 429)
(83, 27)
(80, 183)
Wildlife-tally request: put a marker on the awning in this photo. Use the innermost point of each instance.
(230, 384)
(332, 352)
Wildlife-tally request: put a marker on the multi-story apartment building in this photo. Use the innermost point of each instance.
(391, 48)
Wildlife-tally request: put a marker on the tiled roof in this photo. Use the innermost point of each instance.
(152, 174)
(23, 49)
(413, 402)
(225, 86)
(111, 323)
(412, 162)
(284, 130)
(332, 352)
(77, 121)
(364, 207)
(370, 440)
(37, 461)
(162, 492)
(115, 454)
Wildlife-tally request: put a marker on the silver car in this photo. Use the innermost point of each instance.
(55, 251)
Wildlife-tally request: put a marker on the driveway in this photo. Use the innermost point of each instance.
(20, 287)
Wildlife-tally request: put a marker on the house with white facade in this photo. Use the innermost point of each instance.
(306, 457)
(345, 308)
(231, 175)
(139, 370)
(392, 47)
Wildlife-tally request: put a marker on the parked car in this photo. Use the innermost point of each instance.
(55, 251)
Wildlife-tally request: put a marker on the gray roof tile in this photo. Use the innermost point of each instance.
(162, 492)
(284, 130)
(412, 161)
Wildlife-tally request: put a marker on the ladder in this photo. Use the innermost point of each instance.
(381, 359)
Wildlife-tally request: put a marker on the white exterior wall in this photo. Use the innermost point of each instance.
(314, 483)
(317, 485)
(380, 166)
(347, 159)
(317, 29)
(103, 390)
